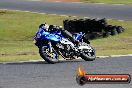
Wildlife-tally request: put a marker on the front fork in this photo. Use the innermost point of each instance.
(50, 47)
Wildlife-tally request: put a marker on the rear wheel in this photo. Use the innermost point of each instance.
(47, 55)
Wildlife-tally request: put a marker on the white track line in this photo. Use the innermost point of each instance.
(55, 14)
(34, 0)
(121, 20)
(64, 59)
(57, 1)
(120, 55)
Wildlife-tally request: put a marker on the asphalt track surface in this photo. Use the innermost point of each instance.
(122, 12)
(63, 74)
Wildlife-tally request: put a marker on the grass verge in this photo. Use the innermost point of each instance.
(18, 28)
(115, 45)
(109, 1)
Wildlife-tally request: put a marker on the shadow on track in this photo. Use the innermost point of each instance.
(42, 62)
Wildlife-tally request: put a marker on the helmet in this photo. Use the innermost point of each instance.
(44, 26)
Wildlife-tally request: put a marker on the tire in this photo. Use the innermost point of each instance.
(120, 29)
(106, 34)
(44, 53)
(86, 57)
(114, 32)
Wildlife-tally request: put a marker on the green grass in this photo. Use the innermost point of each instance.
(18, 28)
(18, 58)
(22, 26)
(109, 1)
(119, 44)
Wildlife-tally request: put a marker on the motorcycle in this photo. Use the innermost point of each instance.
(54, 42)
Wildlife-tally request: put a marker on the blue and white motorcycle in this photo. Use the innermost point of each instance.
(55, 41)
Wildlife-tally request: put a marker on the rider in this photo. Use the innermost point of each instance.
(52, 28)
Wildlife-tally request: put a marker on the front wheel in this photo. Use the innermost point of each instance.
(88, 55)
(47, 55)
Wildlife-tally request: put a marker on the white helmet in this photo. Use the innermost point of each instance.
(45, 26)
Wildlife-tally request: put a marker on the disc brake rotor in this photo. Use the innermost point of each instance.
(50, 54)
